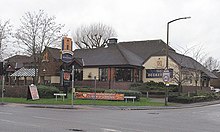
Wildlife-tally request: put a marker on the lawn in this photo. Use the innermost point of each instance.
(142, 102)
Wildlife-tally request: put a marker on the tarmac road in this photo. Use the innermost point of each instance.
(18, 118)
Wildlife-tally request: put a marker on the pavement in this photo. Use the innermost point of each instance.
(98, 107)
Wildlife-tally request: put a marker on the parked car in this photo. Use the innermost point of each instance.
(216, 90)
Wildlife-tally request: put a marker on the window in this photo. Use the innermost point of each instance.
(45, 57)
(78, 74)
(103, 74)
(124, 75)
(159, 63)
(138, 75)
(67, 47)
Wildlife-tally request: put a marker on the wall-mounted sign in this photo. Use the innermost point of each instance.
(157, 73)
(67, 56)
(99, 96)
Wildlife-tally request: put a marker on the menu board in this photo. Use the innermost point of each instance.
(33, 92)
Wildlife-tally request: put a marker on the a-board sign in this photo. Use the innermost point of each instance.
(99, 96)
(33, 92)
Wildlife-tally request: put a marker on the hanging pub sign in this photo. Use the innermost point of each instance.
(32, 92)
(67, 56)
(157, 73)
(66, 78)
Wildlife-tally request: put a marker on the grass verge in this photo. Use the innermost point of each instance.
(52, 101)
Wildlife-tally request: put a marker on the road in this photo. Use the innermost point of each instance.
(18, 118)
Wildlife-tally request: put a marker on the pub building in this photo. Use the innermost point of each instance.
(118, 65)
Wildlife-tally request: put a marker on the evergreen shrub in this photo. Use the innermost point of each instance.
(47, 91)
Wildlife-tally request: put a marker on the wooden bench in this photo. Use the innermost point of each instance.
(62, 95)
(129, 97)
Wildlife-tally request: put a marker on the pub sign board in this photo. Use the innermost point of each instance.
(157, 73)
(67, 56)
(33, 92)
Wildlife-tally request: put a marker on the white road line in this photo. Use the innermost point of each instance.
(40, 117)
(5, 113)
(8, 121)
(110, 130)
(19, 123)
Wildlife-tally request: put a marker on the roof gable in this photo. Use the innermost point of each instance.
(54, 52)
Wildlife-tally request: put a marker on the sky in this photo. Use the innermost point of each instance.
(133, 20)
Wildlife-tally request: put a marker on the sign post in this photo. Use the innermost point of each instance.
(67, 58)
(73, 89)
(3, 87)
(166, 79)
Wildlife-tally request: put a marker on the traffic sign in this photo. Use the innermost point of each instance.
(166, 76)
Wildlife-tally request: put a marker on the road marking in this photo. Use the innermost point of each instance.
(19, 123)
(7, 121)
(5, 113)
(110, 130)
(40, 117)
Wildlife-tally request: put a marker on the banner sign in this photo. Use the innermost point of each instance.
(157, 73)
(33, 92)
(99, 96)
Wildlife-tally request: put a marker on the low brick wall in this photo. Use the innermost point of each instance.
(16, 91)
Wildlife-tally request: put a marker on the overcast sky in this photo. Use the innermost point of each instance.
(133, 19)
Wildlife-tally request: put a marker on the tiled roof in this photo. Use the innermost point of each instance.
(134, 53)
(23, 72)
(55, 52)
(18, 61)
(145, 49)
(112, 55)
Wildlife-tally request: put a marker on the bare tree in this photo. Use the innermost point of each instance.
(5, 33)
(93, 36)
(212, 64)
(37, 30)
(183, 74)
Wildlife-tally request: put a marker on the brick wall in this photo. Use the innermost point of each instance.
(16, 91)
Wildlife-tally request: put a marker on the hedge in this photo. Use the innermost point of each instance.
(47, 91)
(152, 86)
(193, 99)
(90, 90)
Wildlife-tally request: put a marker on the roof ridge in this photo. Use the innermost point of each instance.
(52, 48)
(122, 53)
(141, 41)
(125, 51)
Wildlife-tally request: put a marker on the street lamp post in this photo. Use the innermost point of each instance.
(73, 89)
(168, 49)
